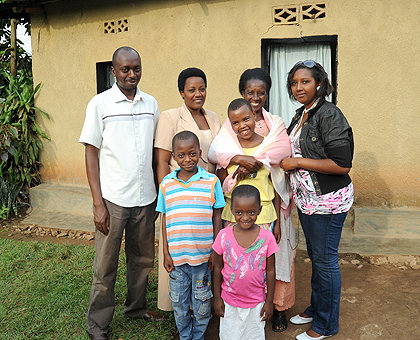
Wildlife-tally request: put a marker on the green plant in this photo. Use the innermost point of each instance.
(19, 160)
(8, 197)
(4, 212)
(24, 59)
(20, 135)
(20, 138)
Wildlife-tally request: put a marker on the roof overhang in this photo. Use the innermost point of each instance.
(22, 8)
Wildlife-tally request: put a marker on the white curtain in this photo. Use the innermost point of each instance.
(282, 59)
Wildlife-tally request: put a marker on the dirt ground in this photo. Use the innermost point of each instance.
(377, 302)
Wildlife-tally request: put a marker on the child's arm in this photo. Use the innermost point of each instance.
(267, 310)
(167, 259)
(277, 206)
(247, 164)
(240, 173)
(217, 226)
(219, 305)
(222, 174)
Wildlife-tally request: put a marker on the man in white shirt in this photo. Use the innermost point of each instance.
(118, 136)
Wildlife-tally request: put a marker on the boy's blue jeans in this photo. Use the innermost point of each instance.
(323, 233)
(191, 285)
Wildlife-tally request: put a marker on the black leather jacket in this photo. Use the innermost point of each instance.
(326, 134)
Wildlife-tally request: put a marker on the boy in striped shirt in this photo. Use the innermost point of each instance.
(191, 201)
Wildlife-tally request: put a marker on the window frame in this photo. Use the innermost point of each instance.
(103, 72)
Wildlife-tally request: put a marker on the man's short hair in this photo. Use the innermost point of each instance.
(123, 48)
(184, 135)
(246, 190)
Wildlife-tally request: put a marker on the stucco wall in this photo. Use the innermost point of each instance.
(378, 69)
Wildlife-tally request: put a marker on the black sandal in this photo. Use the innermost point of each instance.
(279, 321)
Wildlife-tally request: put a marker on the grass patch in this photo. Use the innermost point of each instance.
(45, 290)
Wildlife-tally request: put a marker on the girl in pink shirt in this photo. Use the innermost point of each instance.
(244, 254)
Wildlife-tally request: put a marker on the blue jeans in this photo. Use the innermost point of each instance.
(323, 233)
(191, 286)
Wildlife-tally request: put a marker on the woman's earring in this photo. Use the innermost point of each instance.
(318, 87)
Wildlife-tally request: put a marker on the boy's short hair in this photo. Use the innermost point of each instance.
(185, 135)
(238, 103)
(246, 190)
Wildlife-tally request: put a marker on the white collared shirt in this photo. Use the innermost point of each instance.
(123, 131)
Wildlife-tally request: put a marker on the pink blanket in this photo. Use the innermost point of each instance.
(270, 152)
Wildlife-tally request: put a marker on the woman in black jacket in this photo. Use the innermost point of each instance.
(322, 153)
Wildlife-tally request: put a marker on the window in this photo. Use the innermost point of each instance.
(280, 55)
(104, 77)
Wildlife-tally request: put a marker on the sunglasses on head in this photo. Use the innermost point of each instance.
(307, 63)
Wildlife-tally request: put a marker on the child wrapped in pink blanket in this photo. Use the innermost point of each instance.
(271, 151)
(275, 147)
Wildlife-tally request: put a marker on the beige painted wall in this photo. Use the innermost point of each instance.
(378, 69)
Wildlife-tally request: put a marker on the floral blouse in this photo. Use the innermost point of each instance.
(261, 128)
(304, 193)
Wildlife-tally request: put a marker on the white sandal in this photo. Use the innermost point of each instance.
(305, 336)
(300, 320)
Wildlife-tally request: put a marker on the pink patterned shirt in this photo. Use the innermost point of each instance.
(243, 270)
(261, 128)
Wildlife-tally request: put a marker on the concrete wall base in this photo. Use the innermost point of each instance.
(62, 207)
(367, 231)
(373, 231)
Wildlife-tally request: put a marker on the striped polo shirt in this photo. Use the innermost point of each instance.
(188, 207)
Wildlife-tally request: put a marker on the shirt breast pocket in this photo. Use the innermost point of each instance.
(315, 142)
